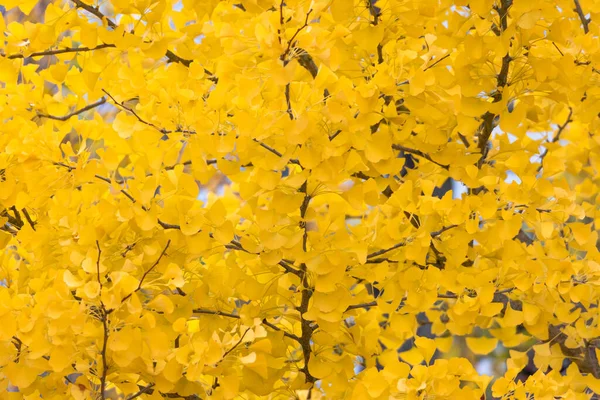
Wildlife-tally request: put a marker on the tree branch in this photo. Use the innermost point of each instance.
(233, 347)
(58, 51)
(142, 391)
(172, 57)
(584, 21)
(420, 154)
(147, 272)
(215, 312)
(487, 125)
(104, 319)
(437, 62)
(306, 326)
(555, 139)
(74, 113)
(277, 153)
(401, 244)
(234, 316)
(276, 328)
(442, 296)
(28, 218)
(132, 111)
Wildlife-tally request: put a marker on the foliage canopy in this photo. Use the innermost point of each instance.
(243, 199)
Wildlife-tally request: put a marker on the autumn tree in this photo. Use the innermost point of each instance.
(241, 199)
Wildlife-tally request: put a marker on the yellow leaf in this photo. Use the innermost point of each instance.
(427, 347)
(162, 303)
(482, 345)
(92, 289)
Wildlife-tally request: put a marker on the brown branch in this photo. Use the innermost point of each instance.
(98, 263)
(104, 319)
(288, 102)
(277, 153)
(584, 21)
(437, 62)
(233, 347)
(58, 51)
(442, 296)
(561, 53)
(18, 219)
(147, 272)
(165, 225)
(28, 218)
(94, 11)
(172, 57)
(401, 244)
(307, 62)
(214, 312)
(420, 154)
(142, 391)
(306, 326)
(335, 134)
(132, 111)
(234, 316)
(444, 229)
(74, 113)
(556, 138)
(18, 346)
(289, 269)
(373, 11)
(362, 305)
(487, 125)
(276, 328)
(383, 251)
(291, 41)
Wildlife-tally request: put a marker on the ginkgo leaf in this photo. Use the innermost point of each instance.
(481, 345)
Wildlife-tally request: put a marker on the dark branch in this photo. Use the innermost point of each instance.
(142, 391)
(487, 125)
(147, 272)
(437, 62)
(556, 138)
(234, 346)
(74, 113)
(401, 244)
(584, 21)
(420, 154)
(58, 51)
(28, 218)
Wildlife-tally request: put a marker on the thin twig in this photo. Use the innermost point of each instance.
(147, 272)
(104, 319)
(58, 51)
(420, 154)
(555, 139)
(132, 111)
(288, 102)
(335, 134)
(171, 57)
(291, 41)
(276, 328)
(214, 312)
(362, 305)
(437, 62)
(233, 347)
(28, 218)
(277, 153)
(289, 269)
(401, 244)
(142, 391)
(74, 113)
